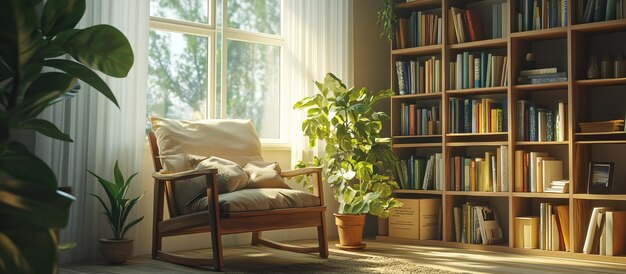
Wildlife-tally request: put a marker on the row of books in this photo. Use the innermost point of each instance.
(536, 171)
(477, 115)
(548, 231)
(420, 29)
(418, 219)
(417, 77)
(536, 123)
(419, 120)
(488, 174)
(602, 126)
(603, 10)
(477, 223)
(541, 76)
(425, 173)
(478, 70)
(541, 14)
(605, 233)
(464, 25)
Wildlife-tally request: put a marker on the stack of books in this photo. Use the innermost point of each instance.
(553, 227)
(602, 10)
(477, 223)
(417, 121)
(487, 174)
(419, 77)
(541, 14)
(541, 76)
(536, 123)
(558, 186)
(478, 70)
(424, 173)
(604, 126)
(535, 171)
(421, 29)
(605, 233)
(477, 115)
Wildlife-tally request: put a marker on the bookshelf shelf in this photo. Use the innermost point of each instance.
(473, 91)
(416, 145)
(566, 48)
(477, 193)
(417, 136)
(482, 44)
(601, 82)
(529, 143)
(561, 85)
(551, 33)
(418, 96)
(604, 197)
(424, 50)
(605, 26)
(541, 195)
(419, 191)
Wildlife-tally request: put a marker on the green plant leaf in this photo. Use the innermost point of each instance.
(59, 15)
(55, 49)
(27, 249)
(46, 128)
(19, 37)
(19, 163)
(113, 58)
(39, 209)
(130, 225)
(119, 178)
(45, 89)
(85, 74)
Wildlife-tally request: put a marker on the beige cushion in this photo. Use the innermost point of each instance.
(231, 139)
(264, 175)
(258, 199)
(185, 191)
(230, 176)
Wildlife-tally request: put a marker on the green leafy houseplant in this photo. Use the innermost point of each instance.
(30, 205)
(119, 206)
(357, 163)
(387, 20)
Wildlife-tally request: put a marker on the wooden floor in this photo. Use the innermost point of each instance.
(254, 259)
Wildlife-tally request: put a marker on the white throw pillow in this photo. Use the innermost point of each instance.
(264, 175)
(230, 176)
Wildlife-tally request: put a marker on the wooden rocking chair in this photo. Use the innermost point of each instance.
(219, 222)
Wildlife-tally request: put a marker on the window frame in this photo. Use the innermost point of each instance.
(211, 31)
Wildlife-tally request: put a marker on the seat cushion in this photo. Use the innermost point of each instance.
(231, 139)
(264, 175)
(258, 199)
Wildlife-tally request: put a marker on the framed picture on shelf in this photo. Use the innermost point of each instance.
(600, 178)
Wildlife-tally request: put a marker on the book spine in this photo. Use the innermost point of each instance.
(477, 72)
(599, 10)
(533, 123)
(400, 76)
(550, 126)
(561, 122)
(467, 122)
(548, 80)
(465, 72)
(537, 71)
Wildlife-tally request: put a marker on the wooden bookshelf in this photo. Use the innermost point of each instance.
(576, 151)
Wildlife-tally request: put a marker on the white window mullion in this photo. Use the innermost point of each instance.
(224, 67)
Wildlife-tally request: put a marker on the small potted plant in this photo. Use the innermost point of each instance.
(357, 164)
(117, 249)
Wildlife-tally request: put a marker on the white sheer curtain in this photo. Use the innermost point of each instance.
(102, 133)
(317, 41)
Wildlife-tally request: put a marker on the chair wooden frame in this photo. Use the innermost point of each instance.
(218, 223)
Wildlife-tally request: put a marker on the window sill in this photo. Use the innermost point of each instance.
(275, 146)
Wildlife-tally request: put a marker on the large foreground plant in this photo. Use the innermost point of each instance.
(357, 163)
(30, 44)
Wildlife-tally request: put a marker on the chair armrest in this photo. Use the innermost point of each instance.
(302, 171)
(183, 175)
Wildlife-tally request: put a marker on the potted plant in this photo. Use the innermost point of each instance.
(33, 37)
(357, 163)
(117, 249)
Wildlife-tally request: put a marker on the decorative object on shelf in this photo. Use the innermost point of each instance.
(603, 126)
(606, 68)
(358, 164)
(34, 35)
(620, 65)
(387, 20)
(117, 249)
(600, 178)
(593, 71)
(529, 61)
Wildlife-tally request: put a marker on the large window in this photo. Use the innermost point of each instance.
(218, 59)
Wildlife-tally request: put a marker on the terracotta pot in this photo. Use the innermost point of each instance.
(116, 251)
(350, 228)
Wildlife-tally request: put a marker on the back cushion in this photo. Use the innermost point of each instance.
(231, 139)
